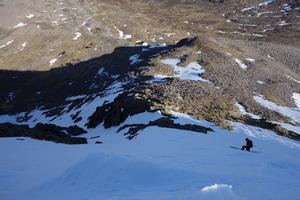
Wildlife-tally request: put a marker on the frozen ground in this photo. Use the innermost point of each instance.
(158, 164)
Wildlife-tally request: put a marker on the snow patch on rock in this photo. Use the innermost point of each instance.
(100, 71)
(244, 112)
(296, 97)
(240, 63)
(73, 98)
(52, 61)
(122, 35)
(250, 59)
(269, 56)
(77, 36)
(191, 72)
(293, 79)
(30, 16)
(135, 59)
(19, 25)
(293, 113)
(6, 44)
(266, 3)
(261, 82)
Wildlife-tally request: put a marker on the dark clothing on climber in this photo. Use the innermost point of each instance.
(248, 145)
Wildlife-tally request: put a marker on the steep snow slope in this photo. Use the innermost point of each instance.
(247, 52)
(159, 163)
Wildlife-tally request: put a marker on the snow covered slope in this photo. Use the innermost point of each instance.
(159, 163)
(119, 70)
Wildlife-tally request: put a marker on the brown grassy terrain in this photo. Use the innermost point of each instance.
(50, 29)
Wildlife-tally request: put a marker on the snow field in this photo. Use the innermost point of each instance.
(159, 163)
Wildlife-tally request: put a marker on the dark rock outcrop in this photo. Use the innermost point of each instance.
(263, 123)
(49, 132)
(75, 130)
(164, 122)
(113, 114)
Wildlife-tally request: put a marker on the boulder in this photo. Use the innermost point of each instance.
(113, 114)
(49, 132)
(75, 130)
(164, 122)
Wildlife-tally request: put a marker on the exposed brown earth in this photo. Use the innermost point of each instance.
(51, 27)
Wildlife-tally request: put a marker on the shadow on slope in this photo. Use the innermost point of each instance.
(23, 91)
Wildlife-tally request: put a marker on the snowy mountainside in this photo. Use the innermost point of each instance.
(156, 98)
(159, 163)
(168, 154)
(133, 80)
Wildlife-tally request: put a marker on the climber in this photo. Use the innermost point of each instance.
(248, 145)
